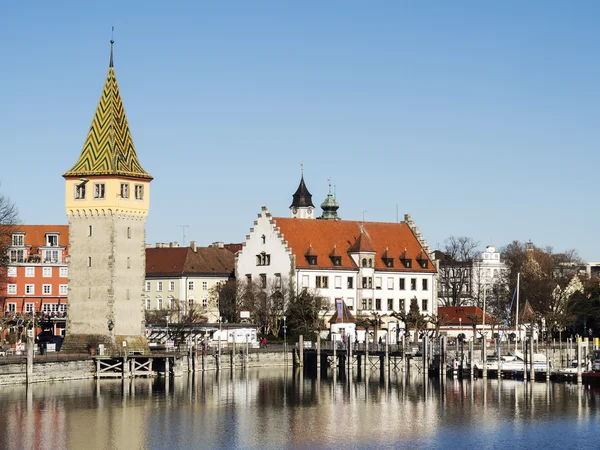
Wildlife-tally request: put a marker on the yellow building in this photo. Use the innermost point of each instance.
(107, 197)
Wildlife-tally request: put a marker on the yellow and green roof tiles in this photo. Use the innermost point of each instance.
(109, 149)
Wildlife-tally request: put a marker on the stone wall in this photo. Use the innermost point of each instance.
(48, 371)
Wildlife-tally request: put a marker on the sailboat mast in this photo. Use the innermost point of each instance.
(517, 313)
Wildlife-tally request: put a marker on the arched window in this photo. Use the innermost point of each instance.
(263, 239)
(364, 262)
(370, 262)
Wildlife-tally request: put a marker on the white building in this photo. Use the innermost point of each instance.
(375, 267)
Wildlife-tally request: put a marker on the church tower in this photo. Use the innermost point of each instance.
(330, 207)
(302, 206)
(107, 198)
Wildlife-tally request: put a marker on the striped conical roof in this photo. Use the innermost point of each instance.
(109, 149)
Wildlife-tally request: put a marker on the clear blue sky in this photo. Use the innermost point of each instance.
(478, 118)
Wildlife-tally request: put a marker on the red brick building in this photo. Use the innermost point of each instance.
(36, 279)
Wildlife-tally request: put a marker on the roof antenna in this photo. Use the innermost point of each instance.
(112, 41)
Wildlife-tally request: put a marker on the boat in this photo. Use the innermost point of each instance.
(515, 363)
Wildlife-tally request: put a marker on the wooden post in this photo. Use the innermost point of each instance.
(97, 368)
(167, 368)
(579, 375)
(125, 367)
(443, 366)
(531, 359)
(349, 341)
(195, 353)
(29, 377)
(484, 357)
(233, 354)
(318, 352)
(547, 362)
(301, 349)
(471, 365)
(403, 365)
(386, 363)
(425, 359)
(334, 364)
(366, 352)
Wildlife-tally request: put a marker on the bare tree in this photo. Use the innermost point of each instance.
(9, 217)
(306, 313)
(455, 274)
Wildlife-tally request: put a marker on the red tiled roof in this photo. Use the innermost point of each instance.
(323, 235)
(184, 261)
(362, 244)
(35, 235)
(451, 315)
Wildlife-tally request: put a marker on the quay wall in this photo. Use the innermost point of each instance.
(47, 371)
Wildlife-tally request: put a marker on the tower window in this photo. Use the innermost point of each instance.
(139, 192)
(364, 262)
(128, 263)
(124, 190)
(90, 231)
(128, 232)
(80, 191)
(99, 190)
(89, 261)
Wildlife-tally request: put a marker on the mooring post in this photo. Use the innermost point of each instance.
(301, 349)
(195, 353)
(167, 368)
(349, 354)
(425, 361)
(29, 357)
(97, 368)
(125, 367)
(579, 375)
(471, 365)
(531, 359)
(547, 362)
(366, 352)
(403, 365)
(318, 352)
(386, 363)
(484, 340)
(443, 356)
(233, 354)
(334, 364)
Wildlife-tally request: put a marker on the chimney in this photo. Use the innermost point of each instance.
(193, 245)
(218, 244)
(175, 244)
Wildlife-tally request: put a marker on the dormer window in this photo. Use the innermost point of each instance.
(389, 262)
(311, 256)
(18, 240)
(336, 260)
(52, 240)
(422, 260)
(407, 262)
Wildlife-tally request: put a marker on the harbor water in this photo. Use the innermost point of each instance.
(279, 408)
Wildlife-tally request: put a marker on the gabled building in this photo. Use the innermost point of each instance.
(37, 273)
(374, 267)
(186, 278)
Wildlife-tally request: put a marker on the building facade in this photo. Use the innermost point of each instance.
(376, 268)
(107, 198)
(37, 274)
(183, 279)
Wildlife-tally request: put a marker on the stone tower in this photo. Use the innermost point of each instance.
(107, 198)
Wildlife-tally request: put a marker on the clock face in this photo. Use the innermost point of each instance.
(310, 210)
(294, 210)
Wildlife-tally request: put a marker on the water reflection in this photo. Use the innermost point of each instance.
(285, 408)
